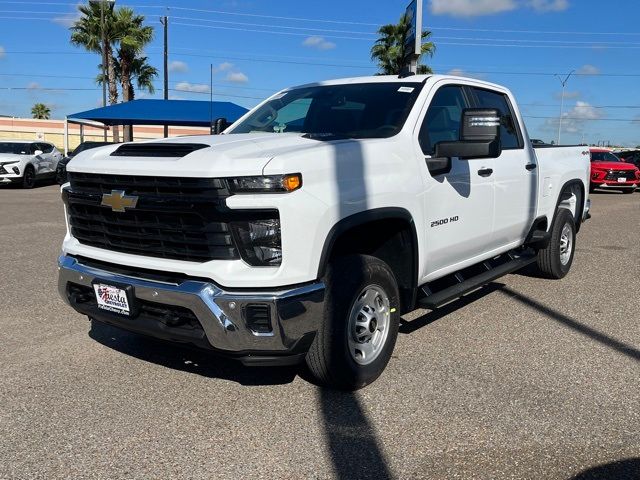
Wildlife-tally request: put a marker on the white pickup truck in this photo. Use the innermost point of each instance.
(309, 227)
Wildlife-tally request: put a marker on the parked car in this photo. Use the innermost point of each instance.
(25, 162)
(305, 230)
(61, 171)
(609, 172)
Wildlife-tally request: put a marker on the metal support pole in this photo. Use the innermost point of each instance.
(564, 84)
(104, 61)
(165, 23)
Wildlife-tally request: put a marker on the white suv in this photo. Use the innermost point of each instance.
(26, 162)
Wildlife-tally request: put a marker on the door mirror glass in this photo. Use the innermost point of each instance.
(480, 124)
(479, 136)
(37, 152)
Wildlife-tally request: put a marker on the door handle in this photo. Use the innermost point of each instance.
(485, 172)
(530, 166)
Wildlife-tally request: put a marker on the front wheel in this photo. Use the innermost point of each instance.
(359, 328)
(29, 177)
(555, 260)
(628, 190)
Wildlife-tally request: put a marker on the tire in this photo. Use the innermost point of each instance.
(555, 260)
(592, 188)
(628, 190)
(29, 177)
(355, 283)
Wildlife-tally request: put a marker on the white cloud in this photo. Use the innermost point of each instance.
(477, 8)
(471, 8)
(567, 95)
(178, 67)
(2, 52)
(459, 72)
(319, 43)
(574, 120)
(192, 87)
(223, 67)
(588, 70)
(237, 77)
(67, 20)
(548, 5)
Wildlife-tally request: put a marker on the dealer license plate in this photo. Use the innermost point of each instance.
(622, 179)
(112, 299)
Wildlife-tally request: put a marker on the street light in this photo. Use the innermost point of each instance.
(564, 83)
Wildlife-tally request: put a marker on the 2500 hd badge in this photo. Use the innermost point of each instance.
(444, 221)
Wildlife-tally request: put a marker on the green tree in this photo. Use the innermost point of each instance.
(87, 32)
(41, 111)
(388, 50)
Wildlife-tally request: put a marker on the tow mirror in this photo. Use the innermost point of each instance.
(219, 126)
(479, 136)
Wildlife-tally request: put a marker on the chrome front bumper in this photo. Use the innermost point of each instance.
(294, 311)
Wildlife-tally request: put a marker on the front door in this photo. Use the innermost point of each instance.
(458, 200)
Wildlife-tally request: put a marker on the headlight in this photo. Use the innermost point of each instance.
(266, 183)
(259, 242)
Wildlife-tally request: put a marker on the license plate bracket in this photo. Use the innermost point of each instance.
(115, 297)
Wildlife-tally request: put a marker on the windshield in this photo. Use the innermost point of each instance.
(603, 157)
(15, 148)
(363, 110)
(87, 146)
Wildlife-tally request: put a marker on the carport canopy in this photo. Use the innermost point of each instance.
(187, 113)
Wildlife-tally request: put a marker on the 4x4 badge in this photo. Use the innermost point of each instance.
(118, 201)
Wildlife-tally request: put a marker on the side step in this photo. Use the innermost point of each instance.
(489, 271)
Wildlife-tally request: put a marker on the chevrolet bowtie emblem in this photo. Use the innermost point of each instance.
(118, 201)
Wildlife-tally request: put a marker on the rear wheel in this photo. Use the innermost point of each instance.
(358, 331)
(555, 260)
(29, 177)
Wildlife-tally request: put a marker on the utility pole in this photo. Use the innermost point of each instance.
(564, 84)
(165, 22)
(104, 62)
(211, 98)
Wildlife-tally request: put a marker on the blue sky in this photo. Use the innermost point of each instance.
(258, 47)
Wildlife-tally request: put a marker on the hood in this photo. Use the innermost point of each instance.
(613, 165)
(11, 158)
(225, 155)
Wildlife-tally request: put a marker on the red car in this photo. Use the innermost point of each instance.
(609, 172)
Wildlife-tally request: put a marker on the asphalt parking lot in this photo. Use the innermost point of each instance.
(527, 378)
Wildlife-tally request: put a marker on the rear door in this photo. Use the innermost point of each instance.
(458, 201)
(515, 173)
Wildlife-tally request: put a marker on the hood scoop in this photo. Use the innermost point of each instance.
(172, 150)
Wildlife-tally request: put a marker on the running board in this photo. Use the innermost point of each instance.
(493, 269)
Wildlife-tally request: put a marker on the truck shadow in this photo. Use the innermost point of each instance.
(409, 326)
(627, 469)
(187, 359)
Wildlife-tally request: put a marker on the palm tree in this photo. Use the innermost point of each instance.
(41, 111)
(144, 74)
(87, 32)
(389, 52)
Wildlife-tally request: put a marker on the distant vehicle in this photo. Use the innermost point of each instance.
(61, 170)
(609, 172)
(537, 142)
(25, 162)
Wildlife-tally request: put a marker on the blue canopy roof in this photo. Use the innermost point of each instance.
(163, 112)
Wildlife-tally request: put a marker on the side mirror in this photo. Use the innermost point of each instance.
(219, 126)
(37, 152)
(479, 136)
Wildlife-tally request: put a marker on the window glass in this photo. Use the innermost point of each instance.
(499, 101)
(46, 148)
(15, 148)
(359, 110)
(603, 157)
(442, 121)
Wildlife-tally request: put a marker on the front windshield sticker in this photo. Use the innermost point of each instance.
(406, 89)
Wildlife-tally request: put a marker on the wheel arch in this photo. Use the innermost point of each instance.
(349, 236)
(564, 198)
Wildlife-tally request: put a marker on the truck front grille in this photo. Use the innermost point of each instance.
(173, 218)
